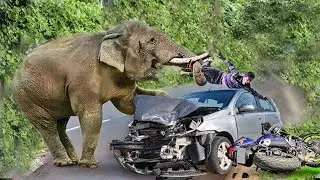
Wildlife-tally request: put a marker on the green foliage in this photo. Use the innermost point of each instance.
(28, 26)
(169, 78)
(273, 37)
(23, 26)
(306, 75)
(311, 125)
(187, 22)
(17, 138)
(303, 173)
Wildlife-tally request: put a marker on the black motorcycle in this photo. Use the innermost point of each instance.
(276, 150)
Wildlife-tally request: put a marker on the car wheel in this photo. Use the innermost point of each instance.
(217, 161)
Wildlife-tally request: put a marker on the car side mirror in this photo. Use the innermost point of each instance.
(246, 108)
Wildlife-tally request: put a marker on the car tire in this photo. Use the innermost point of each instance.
(217, 161)
(275, 163)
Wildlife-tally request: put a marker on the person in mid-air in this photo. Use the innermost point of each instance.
(204, 73)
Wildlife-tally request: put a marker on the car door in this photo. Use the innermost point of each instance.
(248, 123)
(270, 112)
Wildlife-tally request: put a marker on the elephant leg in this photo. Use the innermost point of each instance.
(47, 126)
(90, 122)
(88, 107)
(62, 124)
(150, 92)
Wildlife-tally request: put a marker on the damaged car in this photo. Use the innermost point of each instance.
(190, 135)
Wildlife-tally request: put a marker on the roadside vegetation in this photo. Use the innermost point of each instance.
(305, 173)
(270, 37)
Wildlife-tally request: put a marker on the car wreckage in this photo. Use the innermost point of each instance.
(188, 136)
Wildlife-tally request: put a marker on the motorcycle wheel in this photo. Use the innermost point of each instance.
(276, 163)
(217, 161)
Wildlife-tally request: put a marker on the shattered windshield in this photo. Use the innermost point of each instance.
(161, 109)
(167, 110)
(216, 98)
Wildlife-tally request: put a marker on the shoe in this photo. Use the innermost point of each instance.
(198, 75)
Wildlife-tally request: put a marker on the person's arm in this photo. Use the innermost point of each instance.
(255, 93)
(233, 70)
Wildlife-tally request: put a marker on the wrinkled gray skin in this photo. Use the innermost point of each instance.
(77, 75)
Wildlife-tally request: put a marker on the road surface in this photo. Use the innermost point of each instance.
(114, 127)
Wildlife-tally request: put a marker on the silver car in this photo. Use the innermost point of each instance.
(189, 136)
(241, 113)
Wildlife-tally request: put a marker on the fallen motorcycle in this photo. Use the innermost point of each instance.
(276, 150)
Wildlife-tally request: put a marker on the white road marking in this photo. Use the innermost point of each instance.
(77, 127)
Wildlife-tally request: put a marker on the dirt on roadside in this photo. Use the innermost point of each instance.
(242, 172)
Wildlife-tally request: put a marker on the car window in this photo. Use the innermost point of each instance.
(266, 105)
(246, 99)
(213, 102)
(194, 99)
(216, 98)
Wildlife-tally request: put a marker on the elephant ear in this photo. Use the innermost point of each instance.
(111, 51)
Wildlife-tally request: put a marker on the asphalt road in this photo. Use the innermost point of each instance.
(114, 127)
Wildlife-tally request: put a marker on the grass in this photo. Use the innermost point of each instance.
(305, 173)
(311, 125)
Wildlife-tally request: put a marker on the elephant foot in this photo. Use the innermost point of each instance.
(92, 164)
(74, 158)
(64, 162)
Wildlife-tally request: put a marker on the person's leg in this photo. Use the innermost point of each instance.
(213, 75)
(202, 75)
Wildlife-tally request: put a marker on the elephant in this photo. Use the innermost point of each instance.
(75, 75)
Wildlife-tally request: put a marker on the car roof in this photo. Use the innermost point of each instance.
(236, 90)
(219, 89)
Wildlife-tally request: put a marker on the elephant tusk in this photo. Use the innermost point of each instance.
(187, 60)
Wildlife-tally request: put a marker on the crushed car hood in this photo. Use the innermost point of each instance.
(164, 110)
